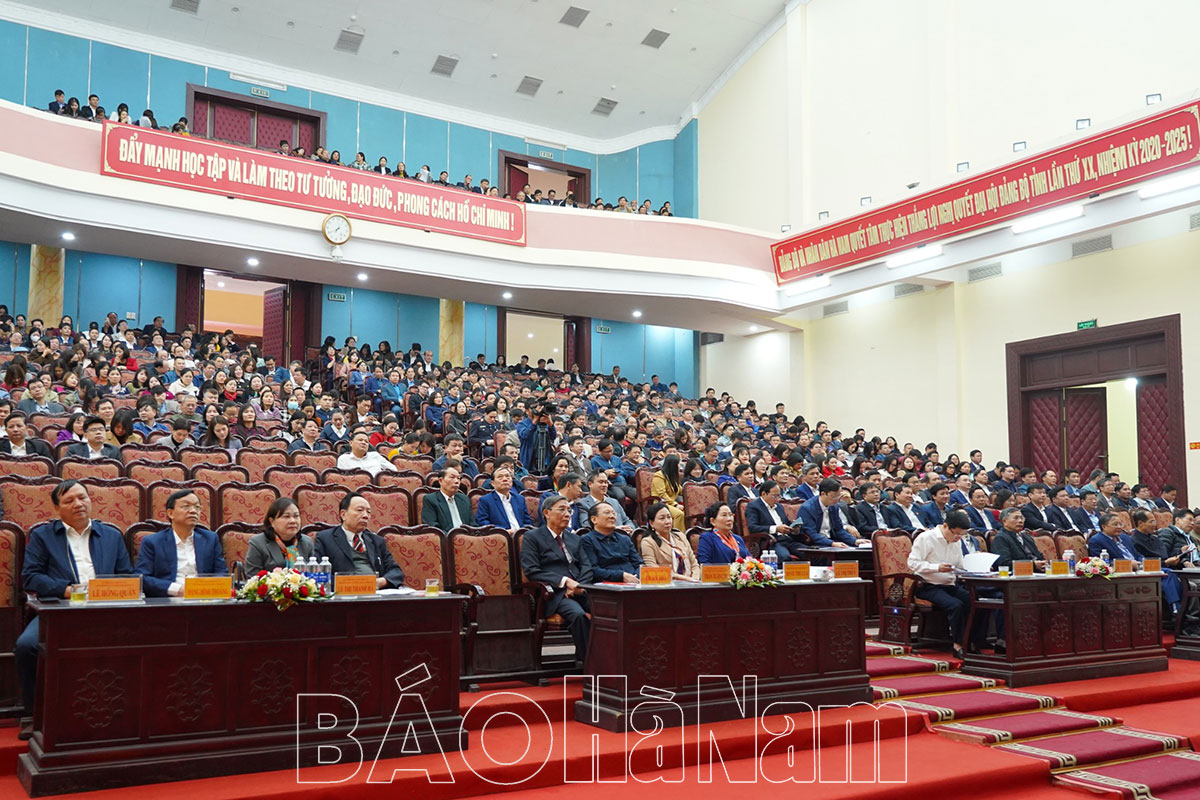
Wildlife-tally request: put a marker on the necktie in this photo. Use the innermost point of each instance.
(359, 547)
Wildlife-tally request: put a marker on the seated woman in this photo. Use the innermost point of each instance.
(666, 486)
(280, 544)
(218, 435)
(720, 545)
(247, 424)
(663, 546)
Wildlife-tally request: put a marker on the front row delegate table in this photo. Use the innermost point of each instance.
(167, 690)
(803, 640)
(1066, 628)
(824, 556)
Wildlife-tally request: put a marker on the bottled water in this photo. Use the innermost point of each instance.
(1069, 557)
(327, 575)
(1105, 557)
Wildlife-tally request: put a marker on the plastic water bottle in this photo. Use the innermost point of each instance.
(327, 575)
(1105, 557)
(1069, 557)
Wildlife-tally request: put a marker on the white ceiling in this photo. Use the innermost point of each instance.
(497, 42)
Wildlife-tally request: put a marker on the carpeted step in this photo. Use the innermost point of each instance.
(1095, 747)
(889, 688)
(965, 705)
(1024, 725)
(1170, 776)
(881, 649)
(906, 665)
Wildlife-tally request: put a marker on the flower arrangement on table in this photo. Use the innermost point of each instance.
(283, 587)
(1090, 567)
(752, 573)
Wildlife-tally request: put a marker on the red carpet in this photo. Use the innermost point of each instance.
(964, 705)
(1095, 747)
(1180, 717)
(1024, 725)
(888, 688)
(907, 665)
(881, 649)
(1182, 679)
(1146, 777)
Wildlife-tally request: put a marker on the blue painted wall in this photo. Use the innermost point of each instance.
(118, 75)
(373, 317)
(94, 284)
(687, 180)
(645, 350)
(479, 331)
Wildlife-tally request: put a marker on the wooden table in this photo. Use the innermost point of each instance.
(1062, 628)
(1187, 646)
(824, 556)
(804, 641)
(166, 690)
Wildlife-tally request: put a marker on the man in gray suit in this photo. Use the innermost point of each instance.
(447, 508)
(35, 401)
(598, 493)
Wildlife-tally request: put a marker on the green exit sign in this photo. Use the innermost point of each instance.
(1083, 326)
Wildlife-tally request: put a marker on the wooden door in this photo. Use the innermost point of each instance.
(1085, 432)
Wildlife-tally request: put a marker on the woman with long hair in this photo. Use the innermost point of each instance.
(666, 486)
(120, 430)
(265, 405)
(247, 424)
(559, 465)
(664, 546)
(73, 432)
(219, 435)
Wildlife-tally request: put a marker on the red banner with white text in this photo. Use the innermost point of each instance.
(143, 154)
(1134, 152)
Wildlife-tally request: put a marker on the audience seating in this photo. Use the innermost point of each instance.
(352, 479)
(26, 500)
(26, 466)
(215, 476)
(1070, 541)
(158, 492)
(146, 452)
(80, 468)
(405, 479)
(391, 506)
(12, 622)
(244, 502)
(419, 464)
(1046, 545)
(138, 532)
(895, 587)
(257, 462)
(420, 551)
(288, 478)
(235, 541)
(320, 461)
(319, 504)
(193, 457)
(146, 472)
(118, 502)
(696, 498)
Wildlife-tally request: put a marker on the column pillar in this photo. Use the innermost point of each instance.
(450, 331)
(46, 270)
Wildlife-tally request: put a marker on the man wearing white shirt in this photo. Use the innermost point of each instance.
(94, 445)
(503, 508)
(978, 513)
(447, 508)
(361, 456)
(935, 554)
(901, 513)
(183, 550)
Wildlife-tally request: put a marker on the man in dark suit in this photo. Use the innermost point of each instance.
(503, 507)
(1178, 537)
(1005, 475)
(933, 513)
(553, 556)
(820, 519)
(870, 512)
(1112, 538)
(981, 517)
(447, 508)
(744, 475)
(182, 550)
(1013, 543)
(810, 479)
(901, 515)
(961, 496)
(765, 515)
(1058, 513)
(59, 103)
(60, 554)
(95, 446)
(1035, 509)
(352, 549)
(1087, 516)
(18, 442)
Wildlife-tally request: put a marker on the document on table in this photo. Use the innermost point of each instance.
(979, 562)
(400, 591)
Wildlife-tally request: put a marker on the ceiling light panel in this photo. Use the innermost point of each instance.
(529, 86)
(444, 66)
(574, 16)
(655, 38)
(605, 107)
(188, 6)
(348, 41)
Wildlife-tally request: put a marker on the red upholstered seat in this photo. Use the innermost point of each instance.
(696, 498)
(257, 462)
(118, 502)
(145, 452)
(319, 504)
(158, 492)
(26, 466)
(194, 457)
(235, 540)
(420, 551)
(319, 461)
(220, 474)
(353, 479)
(27, 499)
(147, 472)
(286, 479)
(419, 464)
(391, 506)
(79, 468)
(896, 586)
(246, 503)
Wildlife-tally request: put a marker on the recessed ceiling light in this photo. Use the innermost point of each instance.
(220, 284)
(754, 329)
(636, 314)
(556, 349)
(395, 52)
(1019, 146)
(530, 335)
(963, 166)
(252, 261)
(1153, 99)
(1083, 123)
(291, 23)
(493, 74)
(68, 236)
(864, 201)
(507, 295)
(362, 276)
(235, 9)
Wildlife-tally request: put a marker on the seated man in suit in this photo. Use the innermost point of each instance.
(935, 555)
(978, 513)
(36, 401)
(1166, 498)
(94, 445)
(504, 506)
(352, 548)
(1178, 539)
(610, 552)
(1112, 538)
(447, 508)
(810, 479)
(552, 555)
(1087, 516)
(18, 441)
(870, 512)
(1035, 510)
(743, 474)
(961, 496)
(1014, 543)
(454, 445)
(933, 513)
(821, 520)
(765, 515)
(1058, 512)
(598, 493)
(901, 514)
(1147, 545)
(180, 551)
(60, 554)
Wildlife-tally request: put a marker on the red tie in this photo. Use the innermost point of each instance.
(358, 544)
